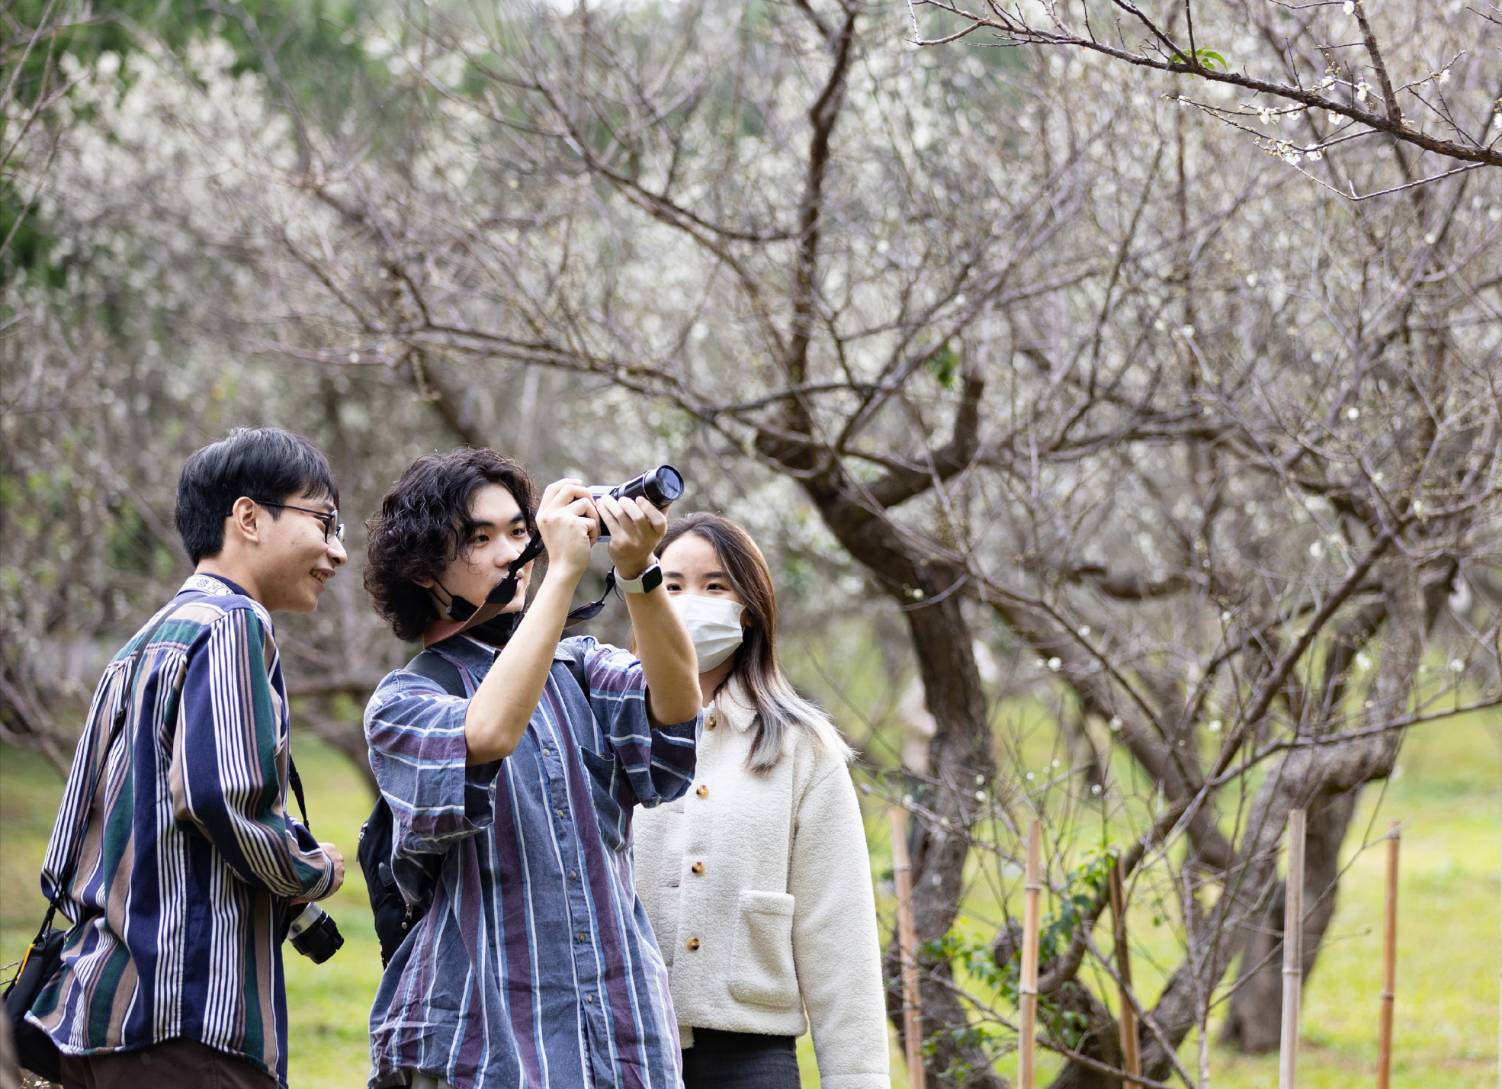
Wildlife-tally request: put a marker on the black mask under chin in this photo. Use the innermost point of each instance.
(499, 628)
(496, 631)
(461, 608)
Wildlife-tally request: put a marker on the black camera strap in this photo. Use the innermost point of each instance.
(294, 780)
(462, 609)
(592, 610)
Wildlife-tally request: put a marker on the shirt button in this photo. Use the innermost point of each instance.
(703, 791)
(692, 944)
(573, 875)
(697, 867)
(590, 999)
(583, 936)
(711, 721)
(559, 811)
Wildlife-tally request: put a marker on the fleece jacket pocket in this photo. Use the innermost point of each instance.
(761, 957)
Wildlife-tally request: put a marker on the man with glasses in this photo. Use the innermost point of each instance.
(333, 527)
(174, 854)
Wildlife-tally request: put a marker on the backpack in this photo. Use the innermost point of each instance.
(394, 916)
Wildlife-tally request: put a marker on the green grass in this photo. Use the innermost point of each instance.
(1449, 956)
(1447, 797)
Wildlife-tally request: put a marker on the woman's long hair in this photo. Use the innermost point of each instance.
(779, 708)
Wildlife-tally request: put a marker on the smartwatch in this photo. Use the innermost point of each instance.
(644, 583)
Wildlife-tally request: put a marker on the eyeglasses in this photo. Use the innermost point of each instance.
(332, 527)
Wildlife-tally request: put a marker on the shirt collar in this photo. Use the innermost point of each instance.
(467, 652)
(219, 586)
(213, 585)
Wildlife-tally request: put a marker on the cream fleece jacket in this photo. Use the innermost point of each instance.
(758, 887)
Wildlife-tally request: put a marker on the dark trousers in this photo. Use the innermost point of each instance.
(174, 1064)
(740, 1060)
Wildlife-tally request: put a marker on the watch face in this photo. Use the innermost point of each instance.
(644, 583)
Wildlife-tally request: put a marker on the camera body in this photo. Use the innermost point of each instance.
(314, 934)
(659, 486)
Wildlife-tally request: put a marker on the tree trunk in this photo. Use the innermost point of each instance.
(1325, 779)
(959, 757)
(1254, 1024)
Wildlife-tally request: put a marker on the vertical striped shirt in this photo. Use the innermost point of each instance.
(535, 967)
(188, 857)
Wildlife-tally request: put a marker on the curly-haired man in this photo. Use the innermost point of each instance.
(515, 782)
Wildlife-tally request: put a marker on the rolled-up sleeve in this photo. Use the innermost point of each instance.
(658, 761)
(225, 775)
(415, 732)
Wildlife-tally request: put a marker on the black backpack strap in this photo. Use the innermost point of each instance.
(394, 916)
(435, 667)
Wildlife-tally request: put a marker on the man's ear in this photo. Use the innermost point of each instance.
(243, 520)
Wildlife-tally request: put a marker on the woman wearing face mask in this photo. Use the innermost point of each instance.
(757, 882)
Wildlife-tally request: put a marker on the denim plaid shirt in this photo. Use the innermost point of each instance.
(535, 966)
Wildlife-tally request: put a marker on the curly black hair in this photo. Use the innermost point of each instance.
(423, 524)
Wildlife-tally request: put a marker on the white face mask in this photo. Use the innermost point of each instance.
(713, 623)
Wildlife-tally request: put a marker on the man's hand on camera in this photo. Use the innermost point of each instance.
(636, 529)
(566, 519)
(338, 858)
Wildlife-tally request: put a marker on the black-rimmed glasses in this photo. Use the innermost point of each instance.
(332, 527)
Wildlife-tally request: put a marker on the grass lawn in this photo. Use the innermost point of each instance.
(1448, 796)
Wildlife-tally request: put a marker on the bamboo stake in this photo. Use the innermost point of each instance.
(907, 945)
(1028, 991)
(1389, 961)
(1131, 1058)
(1293, 951)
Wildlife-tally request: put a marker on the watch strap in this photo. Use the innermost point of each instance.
(644, 583)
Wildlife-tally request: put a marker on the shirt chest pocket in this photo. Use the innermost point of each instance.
(607, 788)
(761, 958)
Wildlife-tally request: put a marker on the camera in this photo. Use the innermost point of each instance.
(314, 934)
(660, 486)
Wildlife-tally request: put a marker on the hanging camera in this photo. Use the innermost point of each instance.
(314, 934)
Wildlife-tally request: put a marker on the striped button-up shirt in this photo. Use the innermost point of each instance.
(535, 966)
(185, 855)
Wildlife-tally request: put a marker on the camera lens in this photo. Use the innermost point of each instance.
(314, 934)
(663, 485)
(659, 486)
